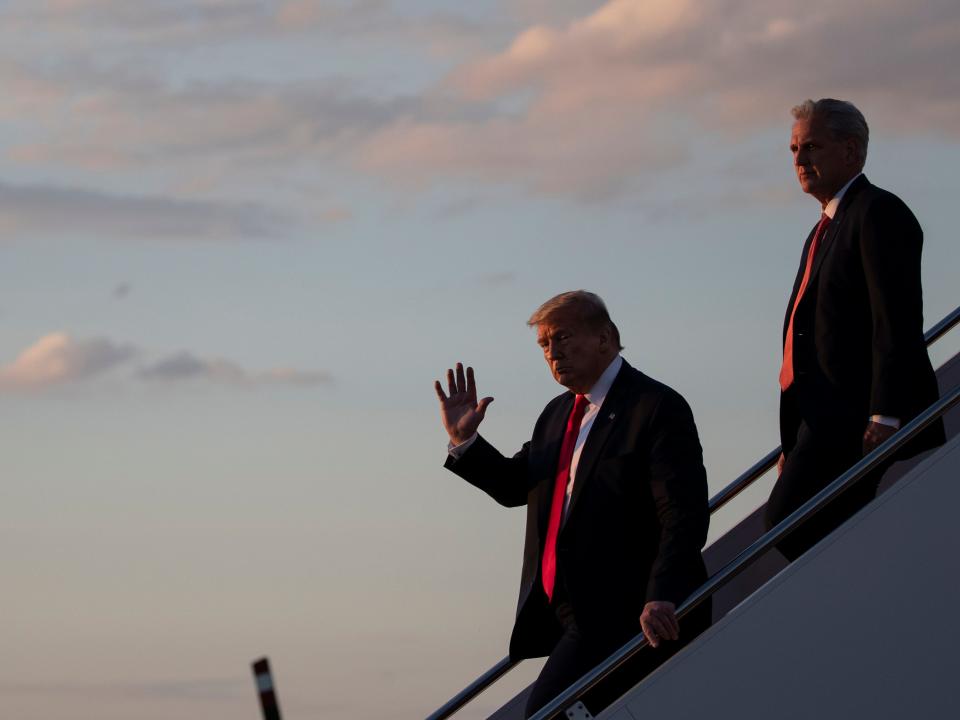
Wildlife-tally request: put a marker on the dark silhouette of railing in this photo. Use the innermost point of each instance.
(738, 564)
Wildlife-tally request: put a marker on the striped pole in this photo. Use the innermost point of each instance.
(268, 695)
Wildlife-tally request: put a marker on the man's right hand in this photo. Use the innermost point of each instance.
(460, 412)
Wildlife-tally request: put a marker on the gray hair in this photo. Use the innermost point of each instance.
(586, 306)
(841, 118)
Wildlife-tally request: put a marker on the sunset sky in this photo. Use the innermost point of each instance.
(240, 239)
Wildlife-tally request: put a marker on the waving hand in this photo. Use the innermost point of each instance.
(460, 412)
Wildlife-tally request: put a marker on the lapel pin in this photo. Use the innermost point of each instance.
(612, 416)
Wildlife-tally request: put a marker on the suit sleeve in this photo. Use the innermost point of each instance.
(678, 482)
(506, 480)
(891, 242)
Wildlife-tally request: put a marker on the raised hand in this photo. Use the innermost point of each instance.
(460, 412)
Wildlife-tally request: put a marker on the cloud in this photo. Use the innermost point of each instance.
(94, 118)
(214, 21)
(30, 210)
(186, 366)
(167, 22)
(590, 107)
(26, 92)
(58, 358)
(139, 104)
(123, 106)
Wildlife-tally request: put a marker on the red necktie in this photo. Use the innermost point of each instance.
(786, 370)
(549, 569)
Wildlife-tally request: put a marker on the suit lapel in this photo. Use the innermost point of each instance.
(609, 415)
(826, 242)
(833, 229)
(797, 281)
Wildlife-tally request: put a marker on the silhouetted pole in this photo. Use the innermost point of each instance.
(268, 695)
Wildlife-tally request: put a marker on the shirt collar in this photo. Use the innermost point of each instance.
(602, 386)
(831, 209)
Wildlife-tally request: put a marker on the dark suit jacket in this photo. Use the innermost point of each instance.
(858, 343)
(637, 518)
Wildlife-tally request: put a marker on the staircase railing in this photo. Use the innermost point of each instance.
(577, 692)
(745, 480)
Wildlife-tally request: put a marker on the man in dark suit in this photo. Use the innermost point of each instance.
(855, 365)
(616, 497)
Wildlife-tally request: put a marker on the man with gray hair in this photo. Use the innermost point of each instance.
(616, 497)
(855, 365)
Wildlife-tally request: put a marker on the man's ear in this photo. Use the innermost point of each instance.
(606, 338)
(850, 154)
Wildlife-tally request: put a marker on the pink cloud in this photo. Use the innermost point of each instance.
(583, 107)
(185, 366)
(58, 358)
(610, 99)
(606, 40)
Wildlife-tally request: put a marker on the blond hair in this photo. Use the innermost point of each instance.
(586, 306)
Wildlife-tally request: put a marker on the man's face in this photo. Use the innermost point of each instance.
(823, 164)
(577, 355)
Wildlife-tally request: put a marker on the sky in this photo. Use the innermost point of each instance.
(240, 239)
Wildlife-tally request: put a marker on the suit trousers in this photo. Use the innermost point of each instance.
(576, 654)
(816, 460)
(572, 657)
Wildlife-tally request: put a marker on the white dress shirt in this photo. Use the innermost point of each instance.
(831, 208)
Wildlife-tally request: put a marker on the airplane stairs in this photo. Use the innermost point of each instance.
(863, 625)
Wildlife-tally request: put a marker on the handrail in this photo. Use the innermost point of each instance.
(770, 459)
(745, 480)
(474, 689)
(942, 327)
(755, 550)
